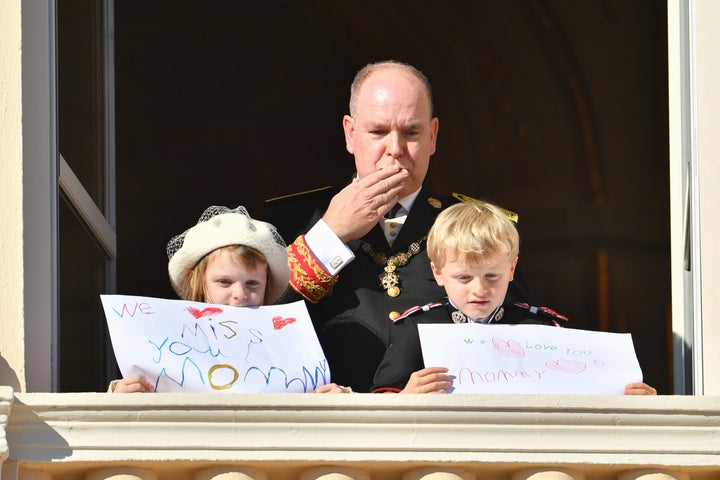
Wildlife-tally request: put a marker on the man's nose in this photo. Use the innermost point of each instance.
(395, 144)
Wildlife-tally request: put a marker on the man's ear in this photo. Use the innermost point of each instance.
(437, 274)
(434, 127)
(349, 129)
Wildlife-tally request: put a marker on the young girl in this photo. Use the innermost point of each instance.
(473, 250)
(227, 258)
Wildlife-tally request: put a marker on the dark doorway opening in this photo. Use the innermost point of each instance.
(555, 110)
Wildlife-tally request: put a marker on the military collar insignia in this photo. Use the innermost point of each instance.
(434, 202)
(458, 317)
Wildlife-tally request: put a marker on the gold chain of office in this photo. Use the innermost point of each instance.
(389, 279)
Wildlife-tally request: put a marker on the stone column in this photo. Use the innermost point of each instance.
(438, 473)
(334, 473)
(653, 474)
(230, 473)
(121, 473)
(547, 474)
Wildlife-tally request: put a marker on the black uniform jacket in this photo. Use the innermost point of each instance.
(404, 355)
(353, 321)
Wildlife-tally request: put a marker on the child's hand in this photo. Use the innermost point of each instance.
(639, 389)
(333, 388)
(133, 384)
(428, 380)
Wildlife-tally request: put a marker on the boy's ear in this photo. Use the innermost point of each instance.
(512, 269)
(436, 274)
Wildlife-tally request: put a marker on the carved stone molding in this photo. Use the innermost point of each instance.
(393, 434)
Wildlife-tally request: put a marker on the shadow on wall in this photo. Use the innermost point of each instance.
(8, 377)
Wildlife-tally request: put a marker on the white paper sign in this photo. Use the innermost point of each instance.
(182, 346)
(530, 358)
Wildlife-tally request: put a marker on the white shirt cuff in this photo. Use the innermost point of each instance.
(330, 251)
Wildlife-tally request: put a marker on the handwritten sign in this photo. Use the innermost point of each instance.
(183, 346)
(530, 358)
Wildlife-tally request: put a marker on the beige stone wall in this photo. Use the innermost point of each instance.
(708, 139)
(12, 345)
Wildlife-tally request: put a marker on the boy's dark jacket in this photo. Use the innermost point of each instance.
(404, 355)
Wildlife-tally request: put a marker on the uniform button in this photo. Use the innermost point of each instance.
(393, 233)
(394, 315)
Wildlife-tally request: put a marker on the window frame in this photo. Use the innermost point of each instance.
(43, 180)
(684, 200)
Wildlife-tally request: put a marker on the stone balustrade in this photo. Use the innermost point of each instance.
(99, 436)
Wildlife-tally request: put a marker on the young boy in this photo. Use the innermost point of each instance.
(473, 250)
(227, 258)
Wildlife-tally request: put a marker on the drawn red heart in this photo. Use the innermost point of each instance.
(509, 348)
(279, 322)
(205, 312)
(565, 366)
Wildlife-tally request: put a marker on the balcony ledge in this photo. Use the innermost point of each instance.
(601, 434)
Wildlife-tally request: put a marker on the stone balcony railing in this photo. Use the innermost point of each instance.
(357, 436)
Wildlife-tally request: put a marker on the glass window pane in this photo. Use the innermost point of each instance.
(81, 97)
(82, 332)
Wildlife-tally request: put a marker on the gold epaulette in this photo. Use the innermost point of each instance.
(465, 199)
(283, 197)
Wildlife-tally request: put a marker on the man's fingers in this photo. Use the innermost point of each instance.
(381, 190)
(357, 207)
(385, 178)
(387, 203)
(386, 172)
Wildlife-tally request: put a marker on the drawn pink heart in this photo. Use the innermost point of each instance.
(279, 322)
(205, 312)
(565, 366)
(509, 348)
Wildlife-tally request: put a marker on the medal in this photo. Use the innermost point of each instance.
(389, 279)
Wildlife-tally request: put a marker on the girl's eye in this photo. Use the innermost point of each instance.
(224, 282)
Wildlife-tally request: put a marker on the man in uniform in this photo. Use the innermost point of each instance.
(357, 269)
